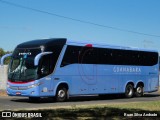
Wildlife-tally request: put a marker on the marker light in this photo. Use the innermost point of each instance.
(88, 45)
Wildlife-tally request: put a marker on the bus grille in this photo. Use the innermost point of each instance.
(18, 88)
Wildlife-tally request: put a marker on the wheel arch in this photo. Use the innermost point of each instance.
(63, 83)
(139, 83)
(129, 82)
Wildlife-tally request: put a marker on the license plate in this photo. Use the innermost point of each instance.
(18, 93)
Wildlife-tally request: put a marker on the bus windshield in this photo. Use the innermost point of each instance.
(21, 68)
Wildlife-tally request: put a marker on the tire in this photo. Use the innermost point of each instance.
(34, 99)
(129, 91)
(139, 91)
(61, 94)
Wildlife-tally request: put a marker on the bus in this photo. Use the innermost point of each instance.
(61, 68)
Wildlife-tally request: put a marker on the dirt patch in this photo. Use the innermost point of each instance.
(3, 93)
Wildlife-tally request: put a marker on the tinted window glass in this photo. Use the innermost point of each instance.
(71, 55)
(127, 57)
(79, 54)
(90, 55)
(46, 65)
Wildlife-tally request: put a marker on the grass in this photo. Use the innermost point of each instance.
(151, 106)
(104, 112)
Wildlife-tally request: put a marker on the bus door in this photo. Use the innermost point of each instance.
(45, 68)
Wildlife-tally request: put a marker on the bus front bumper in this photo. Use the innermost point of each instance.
(27, 93)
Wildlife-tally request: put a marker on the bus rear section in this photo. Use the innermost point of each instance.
(104, 70)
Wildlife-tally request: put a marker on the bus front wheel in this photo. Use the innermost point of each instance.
(129, 91)
(61, 94)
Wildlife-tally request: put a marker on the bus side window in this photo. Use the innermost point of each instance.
(45, 65)
(106, 56)
(88, 56)
(71, 55)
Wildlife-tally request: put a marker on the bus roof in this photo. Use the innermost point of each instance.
(62, 41)
(44, 42)
(104, 45)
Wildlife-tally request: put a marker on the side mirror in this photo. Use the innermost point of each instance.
(4, 57)
(38, 57)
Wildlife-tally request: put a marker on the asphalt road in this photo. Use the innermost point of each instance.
(18, 103)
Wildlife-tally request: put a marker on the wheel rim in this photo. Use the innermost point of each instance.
(139, 90)
(129, 91)
(61, 94)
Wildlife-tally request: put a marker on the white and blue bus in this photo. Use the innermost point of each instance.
(60, 68)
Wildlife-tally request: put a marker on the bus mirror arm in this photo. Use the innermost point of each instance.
(38, 57)
(4, 57)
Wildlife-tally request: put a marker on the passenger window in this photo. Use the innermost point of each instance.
(88, 56)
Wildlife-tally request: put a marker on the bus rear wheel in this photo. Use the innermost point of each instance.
(129, 91)
(139, 91)
(61, 94)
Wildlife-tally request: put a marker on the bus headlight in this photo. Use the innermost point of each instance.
(34, 85)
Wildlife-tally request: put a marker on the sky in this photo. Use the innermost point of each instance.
(114, 22)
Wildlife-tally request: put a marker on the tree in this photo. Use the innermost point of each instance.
(2, 52)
